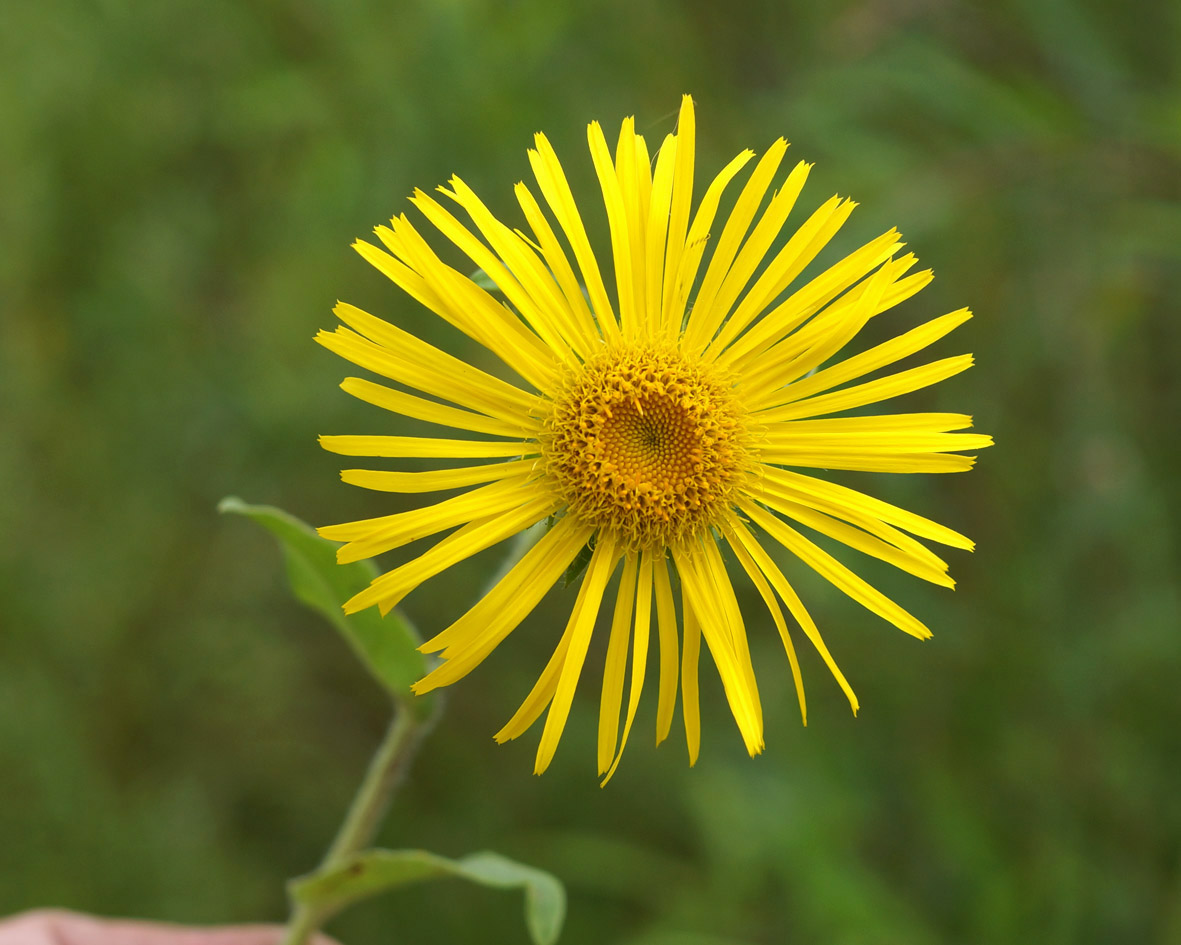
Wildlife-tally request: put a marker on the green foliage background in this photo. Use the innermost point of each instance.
(179, 183)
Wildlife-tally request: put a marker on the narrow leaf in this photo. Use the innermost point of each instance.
(387, 646)
(373, 871)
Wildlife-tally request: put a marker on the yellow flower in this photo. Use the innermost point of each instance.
(662, 424)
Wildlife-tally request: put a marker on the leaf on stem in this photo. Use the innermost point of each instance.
(387, 646)
(365, 874)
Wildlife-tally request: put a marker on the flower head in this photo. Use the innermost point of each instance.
(664, 425)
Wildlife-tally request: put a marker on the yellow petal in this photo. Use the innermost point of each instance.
(418, 365)
(861, 364)
(811, 298)
(407, 405)
(616, 664)
(554, 187)
(434, 480)
(582, 624)
(856, 538)
(678, 221)
(403, 447)
(375, 536)
(621, 238)
(705, 315)
(389, 589)
(833, 571)
(788, 595)
(841, 500)
(666, 623)
(585, 336)
(749, 259)
(894, 385)
(521, 276)
(690, 700)
(639, 653)
(690, 258)
(467, 642)
(764, 589)
(708, 602)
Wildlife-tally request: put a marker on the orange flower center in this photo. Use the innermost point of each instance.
(646, 444)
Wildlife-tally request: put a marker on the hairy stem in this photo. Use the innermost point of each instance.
(368, 809)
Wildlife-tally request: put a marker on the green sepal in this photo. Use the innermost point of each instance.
(387, 646)
(365, 874)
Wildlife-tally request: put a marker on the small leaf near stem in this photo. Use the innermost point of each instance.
(354, 878)
(387, 646)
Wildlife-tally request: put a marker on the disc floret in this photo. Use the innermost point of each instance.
(645, 443)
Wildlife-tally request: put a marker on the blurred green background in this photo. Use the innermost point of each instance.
(179, 183)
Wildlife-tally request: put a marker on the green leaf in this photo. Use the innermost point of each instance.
(387, 646)
(373, 871)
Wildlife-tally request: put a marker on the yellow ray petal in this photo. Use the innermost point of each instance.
(635, 186)
(390, 589)
(678, 220)
(871, 392)
(788, 595)
(375, 536)
(872, 442)
(715, 570)
(615, 664)
(789, 262)
(858, 539)
(638, 205)
(705, 317)
(407, 405)
(763, 373)
(445, 377)
(749, 258)
(811, 298)
(666, 624)
(582, 624)
(773, 481)
(469, 640)
(434, 480)
(857, 461)
(861, 364)
(459, 301)
(764, 589)
(844, 501)
(536, 315)
(690, 699)
(696, 241)
(475, 312)
(701, 591)
(639, 653)
(833, 571)
(827, 333)
(554, 187)
(904, 423)
(621, 237)
(521, 276)
(406, 447)
(581, 321)
(659, 209)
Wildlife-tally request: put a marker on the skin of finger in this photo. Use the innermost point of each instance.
(60, 927)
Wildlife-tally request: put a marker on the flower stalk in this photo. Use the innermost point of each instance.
(386, 769)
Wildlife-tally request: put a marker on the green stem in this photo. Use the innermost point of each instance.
(365, 814)
(386, 769)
